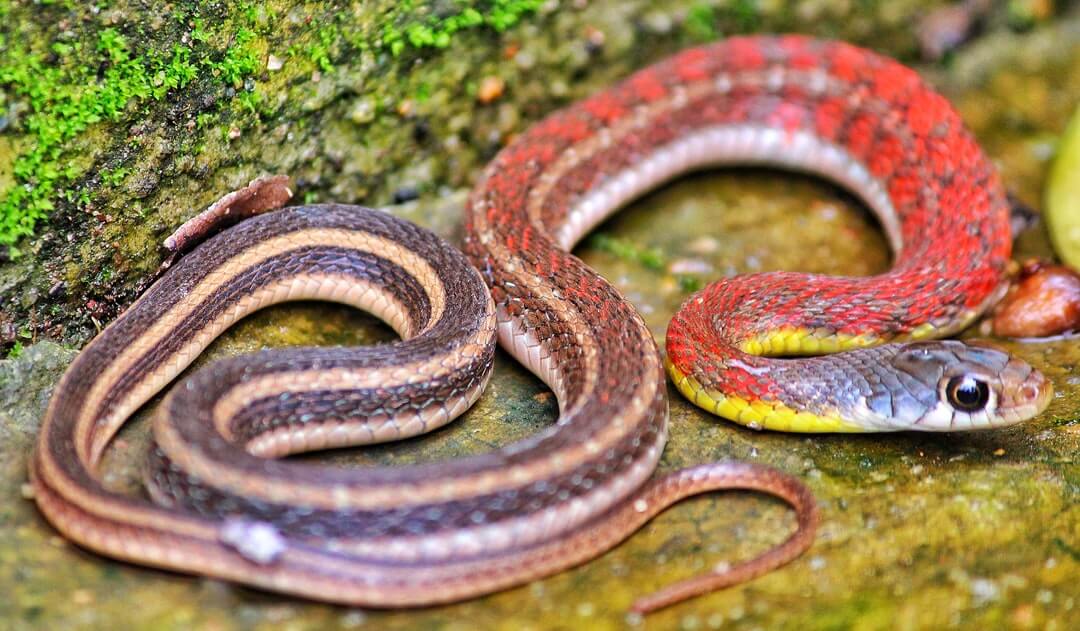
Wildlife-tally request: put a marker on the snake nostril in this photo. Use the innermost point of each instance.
(1029, 392)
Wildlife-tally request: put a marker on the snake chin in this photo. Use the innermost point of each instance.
(975, 386)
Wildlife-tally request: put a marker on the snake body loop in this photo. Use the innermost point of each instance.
(858, 119)
(435, 533)
(390, 537)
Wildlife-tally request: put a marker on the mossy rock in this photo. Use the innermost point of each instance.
(121, 119)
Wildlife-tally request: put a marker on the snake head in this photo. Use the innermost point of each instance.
(966, 386)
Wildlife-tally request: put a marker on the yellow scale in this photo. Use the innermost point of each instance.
(775, 415)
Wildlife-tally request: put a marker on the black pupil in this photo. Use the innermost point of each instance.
(968, 393)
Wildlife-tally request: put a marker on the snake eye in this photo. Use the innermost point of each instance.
(967, 393)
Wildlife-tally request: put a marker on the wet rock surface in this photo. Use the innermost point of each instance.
(920, 531)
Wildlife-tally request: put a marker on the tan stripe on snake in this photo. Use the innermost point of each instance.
(383, 537)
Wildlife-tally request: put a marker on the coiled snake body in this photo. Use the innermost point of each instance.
(442, 532)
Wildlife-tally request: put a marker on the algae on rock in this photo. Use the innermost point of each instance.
(118, 120)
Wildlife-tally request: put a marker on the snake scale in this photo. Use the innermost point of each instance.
(434, 533)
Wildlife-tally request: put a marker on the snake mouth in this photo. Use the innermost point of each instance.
(1025, 392)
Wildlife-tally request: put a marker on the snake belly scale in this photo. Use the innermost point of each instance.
(441, 532)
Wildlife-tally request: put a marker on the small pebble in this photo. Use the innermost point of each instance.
(1023, 616)
(984, 591)
(594, 38)
(1044, 302)
(525, 60)
(82, 597)
(353, 619)
(491, 88)
(406, 194)
(274, 63)
(363, 111)
(703, 245)
(946, 28)
(690, 266)
(657, 22)
(256, 541)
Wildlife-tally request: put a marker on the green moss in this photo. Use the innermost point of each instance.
(319, 51)
(689, 283)
(745, 14)
(70, 83)
(1073, 552)
(436, 31)
(700, 22)
(249, 101)
(114, 176)
(650, 258)
(240, 60)
(703, 20)
(66, 93)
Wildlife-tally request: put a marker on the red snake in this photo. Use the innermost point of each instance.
(441, 532)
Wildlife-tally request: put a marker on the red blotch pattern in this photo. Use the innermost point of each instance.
(949, 200)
